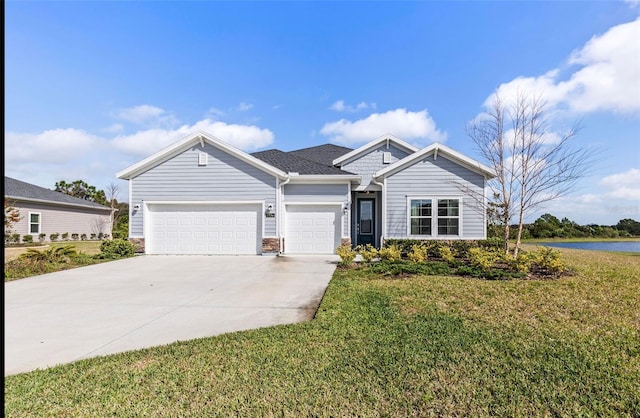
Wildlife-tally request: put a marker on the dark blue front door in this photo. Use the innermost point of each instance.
(365, 228)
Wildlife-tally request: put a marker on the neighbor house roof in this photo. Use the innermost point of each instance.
(436, 149)
(290, 162)
(20, 190)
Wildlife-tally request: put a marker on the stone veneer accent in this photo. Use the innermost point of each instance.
(270, 245)
(345, 241)
(139, 243)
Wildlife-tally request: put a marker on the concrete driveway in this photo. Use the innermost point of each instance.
(154, 300)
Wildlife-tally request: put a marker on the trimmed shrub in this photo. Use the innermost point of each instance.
(54, 237)
(481, 258)
(74, 237)
(397, 268)
(547, 261)
(418, 254)
(93, 236)
(42, 237)
(390, 253)
(347, 254)
(445, 253)
(117, 248)
(15, 239)
(368, 252)
(65, 236)
(27, 239)
(83, 237)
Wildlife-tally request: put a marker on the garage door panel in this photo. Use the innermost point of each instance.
(205, 229)
(312, 229)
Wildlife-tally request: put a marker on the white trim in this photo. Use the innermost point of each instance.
(376, 142)
(313, 203)
(325, 179)
(447, 152)
(130, 226)
(434, 217)
(29, 223)
(192, 139)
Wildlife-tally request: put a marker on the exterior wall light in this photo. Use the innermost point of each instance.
(345, 208)
(136, 207)
(270, 213)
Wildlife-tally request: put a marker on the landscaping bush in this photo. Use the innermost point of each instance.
(444, 252)
(42, 237)
(83, 237)
(74, 237)
(418, 254)
(347, 254)
(368, 252)
(398, 268)
(50, 255)
(54, 237)
(547, 261)
(117, 248)
(93, 236)
(27, 239)
(65, 236)
(481, 258)
(390, 253)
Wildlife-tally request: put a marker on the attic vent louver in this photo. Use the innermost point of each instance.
(386, 158)
(203, 158)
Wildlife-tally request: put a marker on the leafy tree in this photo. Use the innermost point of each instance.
(82, 190)
(630, 225)
(11, 216)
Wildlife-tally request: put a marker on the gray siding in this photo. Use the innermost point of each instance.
(439, 178)
(57, 219)
(224, 178)
(366, 165)
(319, 193)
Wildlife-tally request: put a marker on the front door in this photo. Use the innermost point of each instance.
(365, 228)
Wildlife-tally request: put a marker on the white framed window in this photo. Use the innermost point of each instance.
(434, 217)
(420, 217)
(35, 222)
(449, 217)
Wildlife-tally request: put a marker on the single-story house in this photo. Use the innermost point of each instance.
(45, 211)
(202, 196)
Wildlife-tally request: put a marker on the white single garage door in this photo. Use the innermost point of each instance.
(204, 229)
(312, 229)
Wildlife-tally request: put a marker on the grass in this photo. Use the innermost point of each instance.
(418, 346)
(16, 268)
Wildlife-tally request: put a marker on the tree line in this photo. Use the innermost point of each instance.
(549, 226)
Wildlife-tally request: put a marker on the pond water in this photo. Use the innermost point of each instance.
(626, 246)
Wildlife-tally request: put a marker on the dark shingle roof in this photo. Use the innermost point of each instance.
(288, 162)
(19, 189)
(322, 154)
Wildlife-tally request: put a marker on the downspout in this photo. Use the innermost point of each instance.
(384, 208)
(279, 212)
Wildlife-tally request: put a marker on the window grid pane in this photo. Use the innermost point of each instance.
(421, 212)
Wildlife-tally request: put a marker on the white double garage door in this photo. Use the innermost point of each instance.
(237, 228)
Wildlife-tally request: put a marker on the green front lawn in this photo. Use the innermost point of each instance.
(416, 346)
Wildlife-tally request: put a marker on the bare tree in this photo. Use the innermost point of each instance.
(534, 165)
(112, 195)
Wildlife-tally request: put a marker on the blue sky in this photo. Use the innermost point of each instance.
(93, 87)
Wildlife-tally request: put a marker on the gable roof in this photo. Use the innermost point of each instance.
(437, 149)
(186, 142)
(289, 162)
(20, 190)
(373, 144)
(322, 154)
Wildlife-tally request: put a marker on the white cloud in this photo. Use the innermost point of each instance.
(52, 146)
(607, 77)
(147, 115)
(339, 106)
(416, 126)
(243, 107)
(245, 137)
(624, 185)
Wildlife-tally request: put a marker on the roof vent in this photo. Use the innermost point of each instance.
(386, 157)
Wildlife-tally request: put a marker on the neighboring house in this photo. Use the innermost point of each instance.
(45, 211)
(203, 196)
